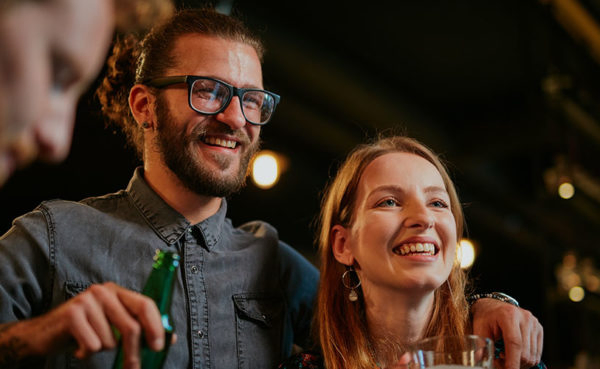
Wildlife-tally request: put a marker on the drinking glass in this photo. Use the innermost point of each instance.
(452, 352)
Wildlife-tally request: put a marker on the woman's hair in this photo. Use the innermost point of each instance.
(340, 324)
(133, 61)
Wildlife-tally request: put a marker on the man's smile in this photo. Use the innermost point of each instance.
(215, 141)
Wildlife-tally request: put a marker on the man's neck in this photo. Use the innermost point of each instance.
(195, 208)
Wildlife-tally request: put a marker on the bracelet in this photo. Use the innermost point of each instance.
(492, 295)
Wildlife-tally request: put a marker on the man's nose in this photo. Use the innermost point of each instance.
(233, 115)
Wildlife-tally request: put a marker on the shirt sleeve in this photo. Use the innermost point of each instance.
(300, 280)
(26, 268)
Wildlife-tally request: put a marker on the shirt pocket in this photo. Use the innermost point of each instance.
(72, 289)
(259, 330)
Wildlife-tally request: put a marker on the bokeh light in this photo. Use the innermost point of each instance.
(466, 253)
(265, 170)
(576, 294)
(566, 190)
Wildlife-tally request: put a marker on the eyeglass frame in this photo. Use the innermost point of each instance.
(162, 82)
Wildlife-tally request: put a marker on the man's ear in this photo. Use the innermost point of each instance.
(340, 245)
(141, 103)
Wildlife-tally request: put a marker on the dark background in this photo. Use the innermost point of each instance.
(507, 91)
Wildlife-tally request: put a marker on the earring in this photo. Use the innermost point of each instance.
(146, 125)
(352, 295)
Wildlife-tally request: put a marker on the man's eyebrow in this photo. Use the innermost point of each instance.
(245, 85)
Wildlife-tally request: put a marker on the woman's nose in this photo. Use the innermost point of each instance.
(418, 215)
(53, 132)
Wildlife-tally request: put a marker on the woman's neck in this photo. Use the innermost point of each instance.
(396, 319)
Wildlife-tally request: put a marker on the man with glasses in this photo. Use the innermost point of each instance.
(193, 108)
(190, 99)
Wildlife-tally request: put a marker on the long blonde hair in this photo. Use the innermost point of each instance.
(340, 324)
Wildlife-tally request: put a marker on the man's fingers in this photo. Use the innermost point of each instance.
(98, 321)
(130, 313)
(75, 314)
(129, 328)
(147, 314)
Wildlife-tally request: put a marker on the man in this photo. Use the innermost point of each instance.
(193, 108)
(51, 51)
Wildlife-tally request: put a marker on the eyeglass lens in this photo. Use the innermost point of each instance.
(209, 96)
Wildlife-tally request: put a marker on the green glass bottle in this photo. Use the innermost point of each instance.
(159, 287)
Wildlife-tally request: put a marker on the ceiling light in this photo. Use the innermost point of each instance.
(566, 190)
(576, 294)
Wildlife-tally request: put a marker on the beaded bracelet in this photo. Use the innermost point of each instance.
(492, 295)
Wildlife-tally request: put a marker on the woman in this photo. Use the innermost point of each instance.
(389, 225)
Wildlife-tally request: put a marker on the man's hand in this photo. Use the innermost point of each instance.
(523, 335)
(88, 319)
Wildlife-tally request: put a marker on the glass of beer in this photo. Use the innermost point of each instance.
(452, 352)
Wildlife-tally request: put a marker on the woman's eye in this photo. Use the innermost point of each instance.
(63, 73)
(388, 203)
(439, 204)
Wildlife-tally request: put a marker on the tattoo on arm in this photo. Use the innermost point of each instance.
(11, 348)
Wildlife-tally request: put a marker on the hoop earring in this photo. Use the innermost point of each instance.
(352, 295)
(146, 125)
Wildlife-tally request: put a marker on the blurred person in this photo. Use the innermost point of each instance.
(191, 101)
(389, 227)
(51, 51)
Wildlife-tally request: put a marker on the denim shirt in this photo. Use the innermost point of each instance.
(241, 299)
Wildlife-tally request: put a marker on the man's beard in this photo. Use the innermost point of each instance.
(178, 152)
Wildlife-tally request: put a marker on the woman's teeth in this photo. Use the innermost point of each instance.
(415, 248)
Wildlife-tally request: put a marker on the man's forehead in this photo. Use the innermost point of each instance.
(230, 60)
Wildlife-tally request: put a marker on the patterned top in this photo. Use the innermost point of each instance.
(314, 360)
(308, 359)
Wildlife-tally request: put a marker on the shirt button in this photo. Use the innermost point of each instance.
(200, 334)
(194, 269)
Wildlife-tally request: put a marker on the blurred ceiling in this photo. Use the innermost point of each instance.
(507, 91)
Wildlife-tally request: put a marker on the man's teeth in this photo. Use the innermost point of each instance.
(219, 142)
(415, 248)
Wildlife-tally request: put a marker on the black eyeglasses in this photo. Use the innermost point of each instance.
(210, 96)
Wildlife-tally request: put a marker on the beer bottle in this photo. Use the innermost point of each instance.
(159, 287)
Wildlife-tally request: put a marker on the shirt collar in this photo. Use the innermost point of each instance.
(166, 222)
